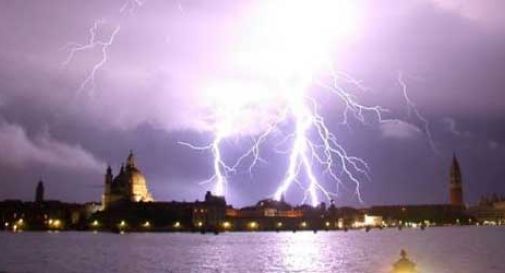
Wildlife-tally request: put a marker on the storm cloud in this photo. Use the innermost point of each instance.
(149, 95)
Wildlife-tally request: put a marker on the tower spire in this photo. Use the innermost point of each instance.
(108, 175)
(39, 192)
(455, 183)
(130, 161)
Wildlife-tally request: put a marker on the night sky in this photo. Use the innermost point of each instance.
(148, 97)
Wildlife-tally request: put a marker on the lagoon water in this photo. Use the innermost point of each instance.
(435, 250)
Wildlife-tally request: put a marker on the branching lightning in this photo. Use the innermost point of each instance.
(94, 42)
(221, 169)
(316, 157)
(287, 50)
(412, 110)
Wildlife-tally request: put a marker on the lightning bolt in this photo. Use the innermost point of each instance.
(103, 45)
(221, 169)
(314, 147)
(316, 156)
(413, 111)
(298, 158)
(93, 43)
(323, 147)
(130, 6)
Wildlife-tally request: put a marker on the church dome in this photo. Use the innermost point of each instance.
(138, 184)
(129, 185)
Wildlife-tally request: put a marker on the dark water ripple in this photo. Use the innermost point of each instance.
(436, 250)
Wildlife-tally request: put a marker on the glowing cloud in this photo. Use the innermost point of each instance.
(284, 47)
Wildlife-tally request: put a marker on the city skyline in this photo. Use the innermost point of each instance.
(129, 184)
(52, 130)
(269, 136)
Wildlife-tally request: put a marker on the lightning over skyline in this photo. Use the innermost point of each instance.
(315, 156)
(251, 99)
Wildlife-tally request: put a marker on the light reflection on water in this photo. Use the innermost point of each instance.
(436, 250)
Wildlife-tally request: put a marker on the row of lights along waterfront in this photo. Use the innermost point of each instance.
(123, 225)
(226, 225)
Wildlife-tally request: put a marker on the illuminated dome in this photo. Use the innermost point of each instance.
(129, 185)
(137, 182)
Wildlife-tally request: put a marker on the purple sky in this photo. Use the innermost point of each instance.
(148, 96)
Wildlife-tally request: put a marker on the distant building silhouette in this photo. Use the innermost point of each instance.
(129, 185)
(455, 184)
(39, 192)
(127, 205)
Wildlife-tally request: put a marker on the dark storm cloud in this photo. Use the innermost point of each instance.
(147, 97)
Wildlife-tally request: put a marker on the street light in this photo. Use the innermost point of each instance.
(253, 225)
(226, 225)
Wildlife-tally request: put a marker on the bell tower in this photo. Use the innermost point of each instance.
(39, 192)
(455, 184)
(106, 198)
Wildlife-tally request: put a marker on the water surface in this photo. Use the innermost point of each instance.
(435, 250)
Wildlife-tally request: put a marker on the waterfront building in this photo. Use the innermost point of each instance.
(127, 205)
(490, 210)
(210, 213)
(163, 216)
(41, 214)
(451, 213)
(431, 213)
(129, 185)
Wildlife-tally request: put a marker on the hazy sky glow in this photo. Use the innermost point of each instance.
(177, 69)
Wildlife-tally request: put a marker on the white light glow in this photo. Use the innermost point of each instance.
(284, 45)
